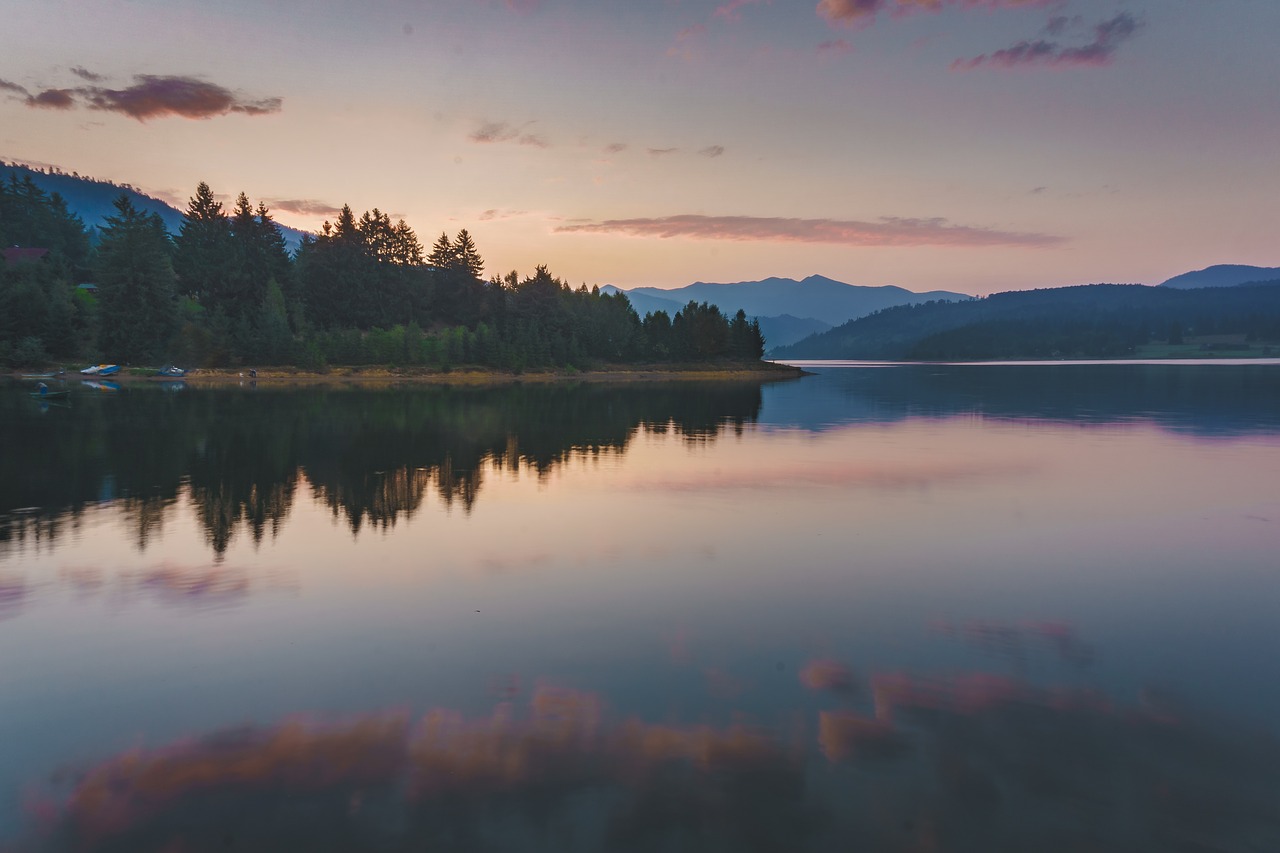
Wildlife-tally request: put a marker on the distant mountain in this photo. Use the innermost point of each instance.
(93, 200)
(1089, 321)
(1223, 275)
(788, 310)
(645, 304)
(816, 297)
(785, 329)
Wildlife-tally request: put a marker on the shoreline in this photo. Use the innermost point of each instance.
(375, 375)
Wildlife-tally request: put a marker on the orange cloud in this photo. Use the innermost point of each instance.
(828, 675)
(855, 13)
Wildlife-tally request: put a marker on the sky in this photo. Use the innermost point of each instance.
(966, 145)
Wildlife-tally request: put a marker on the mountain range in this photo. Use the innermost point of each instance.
(787, 310)
(1085, 321)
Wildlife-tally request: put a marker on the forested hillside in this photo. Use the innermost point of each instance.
(226, 291)
(1090, 321)
(93, 200)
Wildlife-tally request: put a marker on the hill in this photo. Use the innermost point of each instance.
(817, 296)
(787, 310)
(93, 200)
(1088, 321)
(1223, 275)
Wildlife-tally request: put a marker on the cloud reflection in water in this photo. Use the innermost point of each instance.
(970, 762)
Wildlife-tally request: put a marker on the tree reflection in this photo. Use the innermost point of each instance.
(371, 456)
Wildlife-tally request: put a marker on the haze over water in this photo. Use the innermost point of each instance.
(973, 607)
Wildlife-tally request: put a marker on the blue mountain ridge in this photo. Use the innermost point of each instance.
(93, 200)
(1222, 275)
(787, 310)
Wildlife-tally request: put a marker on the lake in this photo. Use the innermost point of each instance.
(882, 607)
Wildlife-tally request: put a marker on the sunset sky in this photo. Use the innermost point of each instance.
(970, 145)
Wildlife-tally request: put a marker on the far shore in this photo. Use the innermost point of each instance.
(381, 375)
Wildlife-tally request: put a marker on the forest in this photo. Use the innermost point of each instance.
(226, 292)
(1088, 321)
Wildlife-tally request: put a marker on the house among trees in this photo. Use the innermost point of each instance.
(17, 255)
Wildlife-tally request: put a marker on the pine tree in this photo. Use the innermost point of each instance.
(202, 258)
(135, 286)
(407, 249)
(466, 258)
(441, 256)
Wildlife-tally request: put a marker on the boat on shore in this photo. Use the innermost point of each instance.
(171, 372)
(100, 370)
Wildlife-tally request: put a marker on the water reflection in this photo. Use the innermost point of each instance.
(977, 761)
(201, 587)
(371, 456)
(1202, 400)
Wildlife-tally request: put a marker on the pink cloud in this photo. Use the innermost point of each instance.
(501, 131)
(856, 13)
(304, 206)
(150, 96)
(887, 231)
(729, 11)
(52, 99)
(157, 96)
(1107, 37)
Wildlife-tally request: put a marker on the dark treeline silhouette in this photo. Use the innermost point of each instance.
(225, 291)
(373, 457)
(1091, 321)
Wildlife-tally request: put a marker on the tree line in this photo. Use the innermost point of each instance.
(226, 291)
(1088, 321)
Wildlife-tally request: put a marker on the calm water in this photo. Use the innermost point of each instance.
(883, 607)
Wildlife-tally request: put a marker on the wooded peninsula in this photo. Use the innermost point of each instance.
(226, 292)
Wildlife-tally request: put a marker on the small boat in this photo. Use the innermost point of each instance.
(171, 372)
(101, 370)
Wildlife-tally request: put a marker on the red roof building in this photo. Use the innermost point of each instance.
(16, 256)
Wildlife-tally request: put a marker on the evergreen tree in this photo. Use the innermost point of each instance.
(203, 254)
(135, 285)
(441, 256)
(466, 258)
(407, 249)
